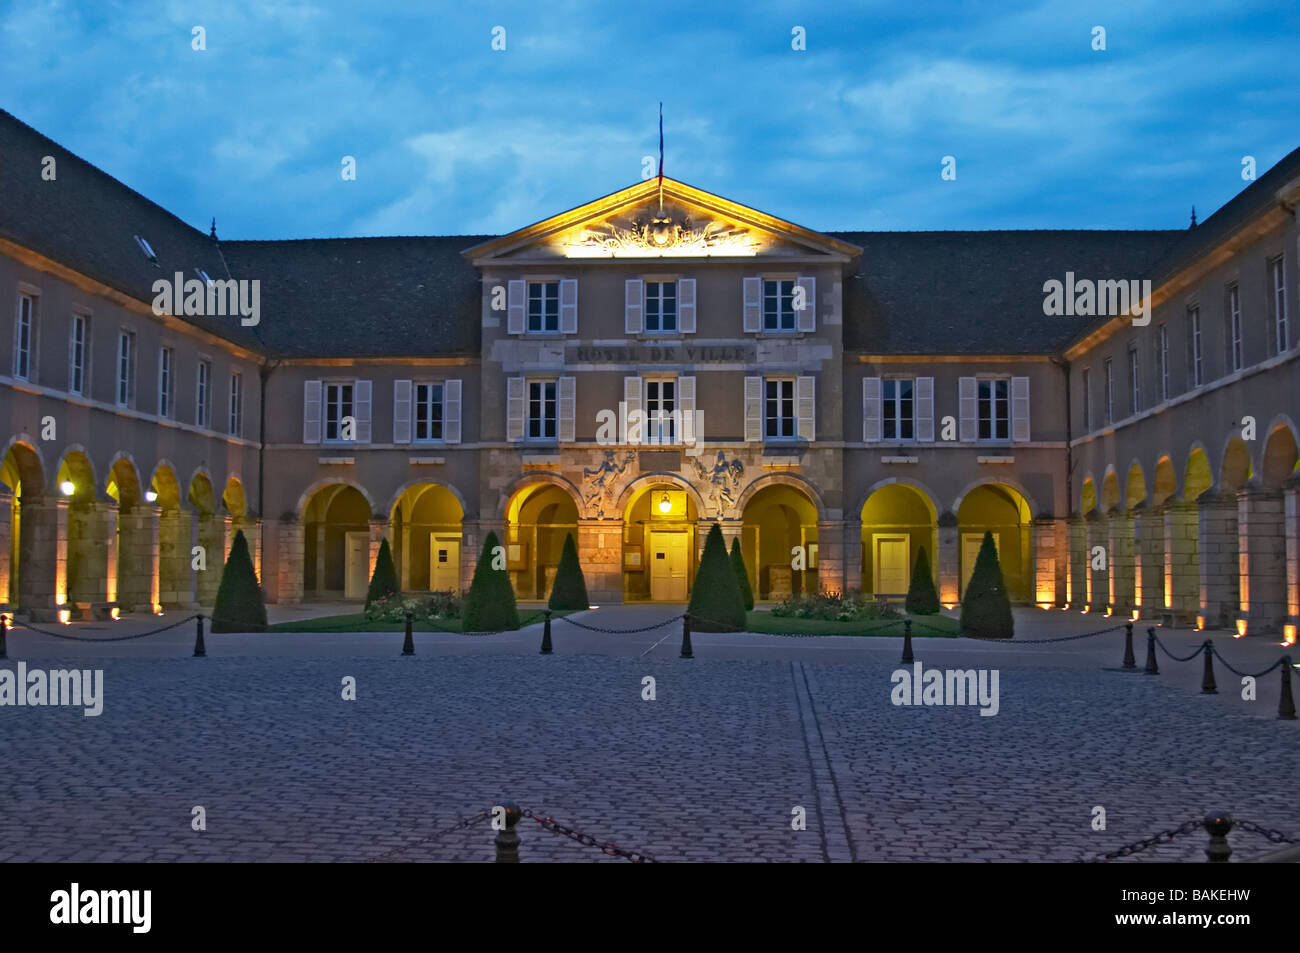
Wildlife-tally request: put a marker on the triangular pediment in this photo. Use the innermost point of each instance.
(679, 221)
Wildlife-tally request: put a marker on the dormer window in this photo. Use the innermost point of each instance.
(204, 275)
(147, 249)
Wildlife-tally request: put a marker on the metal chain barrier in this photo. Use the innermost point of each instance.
(463, 823)
(1187, 658)
(1164, 837)
(1273, 836)
(1234, 671)
(607, 847)
(115, 638)
(644, 628)
(1063, 638)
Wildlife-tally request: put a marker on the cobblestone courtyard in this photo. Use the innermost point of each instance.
(709, 770)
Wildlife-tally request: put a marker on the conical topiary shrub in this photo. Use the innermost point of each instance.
(240, 603)
(922, 599)
(569, 591)
(490, 604)
(716, 602)
(986, 608)
(384, 581)
(742, 574)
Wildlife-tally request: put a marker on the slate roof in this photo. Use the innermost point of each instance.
(978, 292)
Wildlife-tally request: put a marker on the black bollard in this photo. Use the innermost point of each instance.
(1129, 660)
(1218, 826)
(546, 634)
(1207, 680)
(686, 637)
(4, 630)
(200, 651)
(507, 840)
(408, 644)
(1285, 704)
(1152, 668)
(907, 642)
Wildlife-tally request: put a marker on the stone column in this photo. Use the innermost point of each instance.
(1043, 530)
(209, 532)
(378, 530)
(1078, 578)
(403, 555)
(291, 548)
(1291, 509)
(852, 543)
(112, 554)
(87, 548)
(600, 550)
(1097, 580)
(1149, 557)
(831, 556)
(1182, 567)
(1219, 566)
(948, 559)
(1120, 562)
(138, 558)
(43, 557)
(253, 535)
(6, 541)
(1261, 543)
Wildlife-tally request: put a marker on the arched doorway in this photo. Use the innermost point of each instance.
(1001, 510)
(897, 521)
(235, 503)
(211, 535)
(336, 543)
(131, 583)
(23, 477)
(426, 538)
(779, 542)
(1280, 457)
(537, 520)
(174, 546)
(659, 544)
(87, 551)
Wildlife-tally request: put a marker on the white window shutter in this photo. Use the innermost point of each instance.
(805, 395)
(514, 408)
(361, 410)
(401, 411)
(686, 403)
(753, 304)
(632, 402)
(806, 319)
(633, 305)
(569, 306)
(451, 411)
(967, 389)
(923, 409)
(686, 305)
(753, 408)
(311, 411)
(870, 409)
(1020, 409)
(516, 293)
(564, 425)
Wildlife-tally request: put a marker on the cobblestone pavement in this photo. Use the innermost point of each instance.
(709, 770)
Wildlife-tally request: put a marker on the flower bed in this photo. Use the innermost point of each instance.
(428, 606)
(852, 606)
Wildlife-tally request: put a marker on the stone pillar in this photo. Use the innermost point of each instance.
(87, 547)
(43, 557)
(1043, 538)
(1097, 580)
(600, 550)
(209, 531)
(1078, 578)
(253, 535)
(138, 558)
(378, 530)
(403, 554)
(1120, 563)
(948, 559)
(1261, 544)
(1219, 566)
(112, 553)
(291, 548)
(831, 556)
(852, 543)
(1149, 560)
(6, 541)
(1291, 512)
(1182, 567)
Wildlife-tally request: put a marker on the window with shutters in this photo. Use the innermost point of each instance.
(339, 405)
(543, 306)
(166, 382)
(993, 408)
(1235, 356)
(540, 419)
(660, 402)
(77, 352)
(897, 419)
(125, 368)
(23, 330)
(1281, 336)
(778, 304)
(236, 404)
(428, 410)
(203, 395)
(778, 408)
(661, 306)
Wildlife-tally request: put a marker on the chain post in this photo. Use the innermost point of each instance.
(686, 637)
(1207, 680)
(546, 634)
(1285, 703)
(1218, 826)
(4, 631)
(1152, 668)
(1129, 661)
(907, 643)
(200, 650)
(408, 644)
(507, 839)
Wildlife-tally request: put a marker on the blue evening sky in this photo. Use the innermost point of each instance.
(452, 137)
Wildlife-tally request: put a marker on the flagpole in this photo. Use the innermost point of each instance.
(661, 158)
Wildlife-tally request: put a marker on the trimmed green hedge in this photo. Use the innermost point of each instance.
(922, 598)
(569, 590)
(384, 582)
(717, 604)
(742, 574)
(986, 607)
(490, 604)
(241, 606)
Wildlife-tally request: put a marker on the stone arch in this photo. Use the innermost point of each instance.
(318, 485)
(509, 492)
(76, 467)
(419, 481)
(649, 479)
(29, 463)
(1087, 496)
(930, 496)
(26, 580)
(1236, 467)
(1002, 481)
(899, 519)
(336, 514)
(777, 517)
(123, 482)
(1110, 495)
(1135, 486)
(1165, 484)
(539, 514)
(661, 515)
(1198, 476)
(1279, 458)
(998, 507)
(201, 494)
(782, 479)
(164, 484)
(426, 535)
(233, 499)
